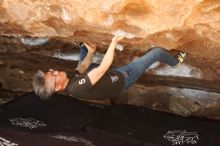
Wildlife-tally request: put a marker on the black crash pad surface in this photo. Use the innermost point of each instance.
(61, 120)
(155, 128)
(13, 138)
(65, 121)
(15, 121)
(68, 112)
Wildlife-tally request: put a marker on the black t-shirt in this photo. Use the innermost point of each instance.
(109, 86)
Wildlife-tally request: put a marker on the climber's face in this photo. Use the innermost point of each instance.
(55, 80)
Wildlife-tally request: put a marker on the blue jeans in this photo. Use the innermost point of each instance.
(136, 69)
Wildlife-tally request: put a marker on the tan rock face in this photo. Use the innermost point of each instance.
(191, 25)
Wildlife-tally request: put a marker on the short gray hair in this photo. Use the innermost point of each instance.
(40, 87)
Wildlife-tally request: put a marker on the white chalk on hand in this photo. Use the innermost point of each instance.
(124, 34)
(119, 47)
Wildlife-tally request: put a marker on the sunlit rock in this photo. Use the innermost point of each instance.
(189, 25)
(192, 25)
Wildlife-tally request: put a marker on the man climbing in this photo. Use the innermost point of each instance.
(91, 81)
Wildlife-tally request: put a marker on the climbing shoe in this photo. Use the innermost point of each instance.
(181, 56)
